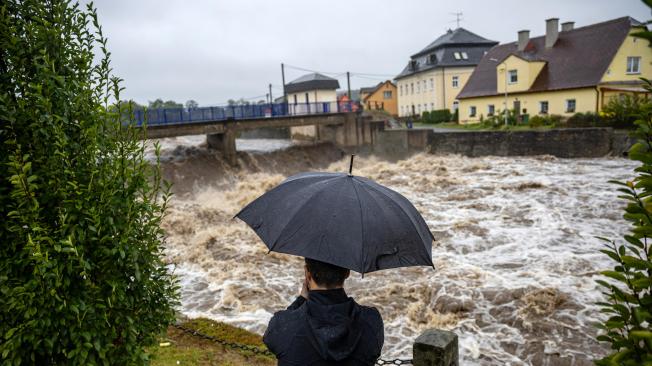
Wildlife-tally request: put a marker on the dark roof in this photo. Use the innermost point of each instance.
(370, 89)
(441, 52)
(312, 81)
(579, 58)
(459, 37)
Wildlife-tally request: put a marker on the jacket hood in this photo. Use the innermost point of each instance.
(332, 318)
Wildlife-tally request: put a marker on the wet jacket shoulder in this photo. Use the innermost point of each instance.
(328, 329)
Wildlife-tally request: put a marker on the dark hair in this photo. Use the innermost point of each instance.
(326, 274)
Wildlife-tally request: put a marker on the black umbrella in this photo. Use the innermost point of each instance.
(341, 219)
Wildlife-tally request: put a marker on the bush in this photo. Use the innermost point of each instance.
(622, 112)
(537, 121)
(628, 287)
(456, 115)
(436, 116)
(440, 115)
(82, 279)
(552, 120)
(587, 119)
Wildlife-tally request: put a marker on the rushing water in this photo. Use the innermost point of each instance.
(515, 255)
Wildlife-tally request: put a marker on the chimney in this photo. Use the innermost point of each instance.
(523, 39)
(566, 26)
(552, 31)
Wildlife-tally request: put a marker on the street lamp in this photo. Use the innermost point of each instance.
(504, 70)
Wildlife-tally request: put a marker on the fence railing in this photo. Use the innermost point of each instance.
(170, 116)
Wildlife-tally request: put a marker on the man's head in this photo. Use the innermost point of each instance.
(325, 275)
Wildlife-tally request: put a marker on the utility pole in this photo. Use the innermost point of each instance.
(285, 94)
(348, 84)
(271, 98)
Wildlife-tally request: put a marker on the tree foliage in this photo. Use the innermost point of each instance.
(191, 104)
(628, 286)
(82, 279)
(159, 103)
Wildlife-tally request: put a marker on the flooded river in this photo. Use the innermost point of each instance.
(515, 255)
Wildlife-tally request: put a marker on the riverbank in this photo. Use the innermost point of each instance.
(181, 348)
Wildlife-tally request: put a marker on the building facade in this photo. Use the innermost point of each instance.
(563, 72)
(380, 97)
(311, 93)
(435, 75)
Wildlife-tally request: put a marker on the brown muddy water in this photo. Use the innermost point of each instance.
(515, 253)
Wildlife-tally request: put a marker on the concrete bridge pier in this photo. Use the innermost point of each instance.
(224, 142)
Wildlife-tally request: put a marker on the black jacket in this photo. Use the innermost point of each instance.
(327, 329)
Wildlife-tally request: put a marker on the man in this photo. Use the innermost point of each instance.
(324, 326)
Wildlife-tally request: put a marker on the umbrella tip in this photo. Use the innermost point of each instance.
(351, 165)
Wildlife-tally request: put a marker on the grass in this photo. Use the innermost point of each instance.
(481, 127)
(186, 349)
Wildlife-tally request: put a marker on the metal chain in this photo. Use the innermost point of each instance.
(244, 347)
(265, 352)
(393, 362)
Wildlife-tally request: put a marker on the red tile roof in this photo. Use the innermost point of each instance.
(579, 58)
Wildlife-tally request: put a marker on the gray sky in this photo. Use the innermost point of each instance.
(215, 50)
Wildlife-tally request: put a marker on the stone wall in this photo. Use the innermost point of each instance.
(563, 143)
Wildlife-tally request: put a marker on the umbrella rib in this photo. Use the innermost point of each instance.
(414, 226)
(361, 227)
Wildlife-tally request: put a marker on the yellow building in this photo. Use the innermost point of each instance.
(380, 97)
(563, 72)
(434, 76)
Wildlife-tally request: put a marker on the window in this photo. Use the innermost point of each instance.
(512, 76)
(432, 106)
(411, 88)
(419, 108)
(543, 107)
(401, 110)
(295, 99)
(465, 56)
(633, 65)
(425, 87)
(456, 81)
(387, 94)
(432, 84)
(401, 89)
(570, 105)
(456, 105)
(457, 55)
(418, 87)
(491, 109)
(472, 111)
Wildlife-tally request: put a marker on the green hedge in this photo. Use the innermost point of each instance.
(437, 116)
(82, 275)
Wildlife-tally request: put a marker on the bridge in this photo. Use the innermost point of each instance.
(339, 122)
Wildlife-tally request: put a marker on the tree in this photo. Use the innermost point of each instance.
(159, 103)
(82, 279)
(628, 286)
(191, 104)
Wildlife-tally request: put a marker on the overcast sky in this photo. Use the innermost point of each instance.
(215, 50)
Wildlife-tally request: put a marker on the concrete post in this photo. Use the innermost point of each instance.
(225, 142)
(436, 347)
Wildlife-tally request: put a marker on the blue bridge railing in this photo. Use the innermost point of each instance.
(171, 116)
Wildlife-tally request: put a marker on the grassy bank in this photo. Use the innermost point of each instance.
(187, 349)
(479, 127)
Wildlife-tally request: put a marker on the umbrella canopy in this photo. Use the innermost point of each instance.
(349, 221)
